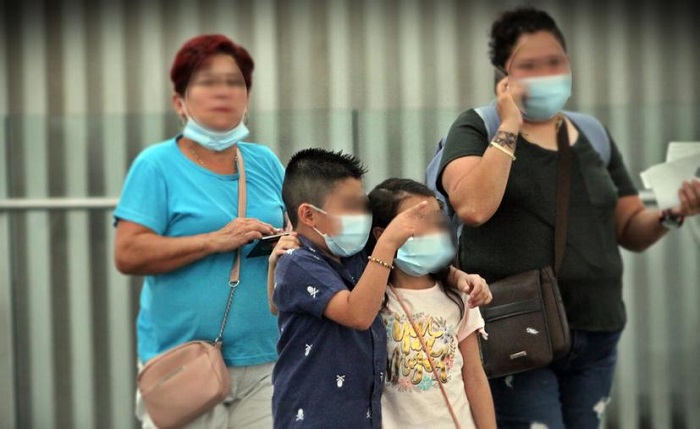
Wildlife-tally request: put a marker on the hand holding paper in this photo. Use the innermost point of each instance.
(676, 183)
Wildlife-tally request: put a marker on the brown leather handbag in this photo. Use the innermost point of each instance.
(526, 319)
(181, 384)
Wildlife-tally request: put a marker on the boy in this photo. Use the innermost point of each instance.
(332, 347)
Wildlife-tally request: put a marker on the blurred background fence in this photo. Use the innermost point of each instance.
(85, 88)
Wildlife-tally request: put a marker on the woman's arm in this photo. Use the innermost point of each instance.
(472, 284)
(476, 384)
(475, 185)
(639, 227)
(140, 251)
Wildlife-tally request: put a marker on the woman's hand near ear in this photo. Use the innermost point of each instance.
(509, 96)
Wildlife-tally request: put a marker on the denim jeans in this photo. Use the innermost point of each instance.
(570, 393)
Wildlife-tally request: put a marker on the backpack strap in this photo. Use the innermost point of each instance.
(492, 121)
(431, 172)
(595, 131)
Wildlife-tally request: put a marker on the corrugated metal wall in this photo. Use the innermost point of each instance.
(84, 89)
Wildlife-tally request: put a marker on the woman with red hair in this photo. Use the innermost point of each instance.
(177, 225)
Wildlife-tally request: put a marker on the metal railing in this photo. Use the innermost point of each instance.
(24, 204)
(101, 203)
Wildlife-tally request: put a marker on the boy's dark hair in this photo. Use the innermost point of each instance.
(311, 175)
(384, 201)
(512, 24)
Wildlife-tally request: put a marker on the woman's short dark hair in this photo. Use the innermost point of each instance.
(512, 24)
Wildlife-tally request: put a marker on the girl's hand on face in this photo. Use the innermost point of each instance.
(477, 288)
(285, 243)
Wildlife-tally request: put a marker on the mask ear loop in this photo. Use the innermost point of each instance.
(183, 100)
(509, 60)
(313, 207)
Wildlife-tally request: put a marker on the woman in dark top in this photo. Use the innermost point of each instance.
(508, 208)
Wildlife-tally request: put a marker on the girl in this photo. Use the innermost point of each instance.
(413, 397)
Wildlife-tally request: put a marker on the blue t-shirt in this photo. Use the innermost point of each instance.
(327, 375)
(171, 195)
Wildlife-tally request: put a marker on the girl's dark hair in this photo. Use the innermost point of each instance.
(384, 201)
(512, 24)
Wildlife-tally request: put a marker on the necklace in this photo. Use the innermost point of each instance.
(560, 121)
(199, 159)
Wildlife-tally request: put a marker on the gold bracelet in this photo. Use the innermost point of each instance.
(502, 149)
(380, 262)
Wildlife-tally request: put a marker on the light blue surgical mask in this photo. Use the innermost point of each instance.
(353, 235)
(425, 254)
(546, 96)
(214, 140)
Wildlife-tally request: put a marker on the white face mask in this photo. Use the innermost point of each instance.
(425, 254)
(353, 234)
(210, 139)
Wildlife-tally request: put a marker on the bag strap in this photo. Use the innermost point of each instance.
(563, 192)
(426, 350)
(234, 278)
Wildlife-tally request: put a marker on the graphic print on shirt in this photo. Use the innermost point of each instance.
(312, 291)
(408, 367)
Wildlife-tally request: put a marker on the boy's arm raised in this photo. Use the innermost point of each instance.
(358, 308)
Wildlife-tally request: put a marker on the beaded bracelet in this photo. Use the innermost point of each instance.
(380, 262)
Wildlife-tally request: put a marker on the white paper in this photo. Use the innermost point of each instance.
(678, 150)
(666, 179)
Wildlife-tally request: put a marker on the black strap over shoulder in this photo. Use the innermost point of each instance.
(563, 192)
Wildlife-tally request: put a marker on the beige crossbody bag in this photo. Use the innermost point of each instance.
(181, 384)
